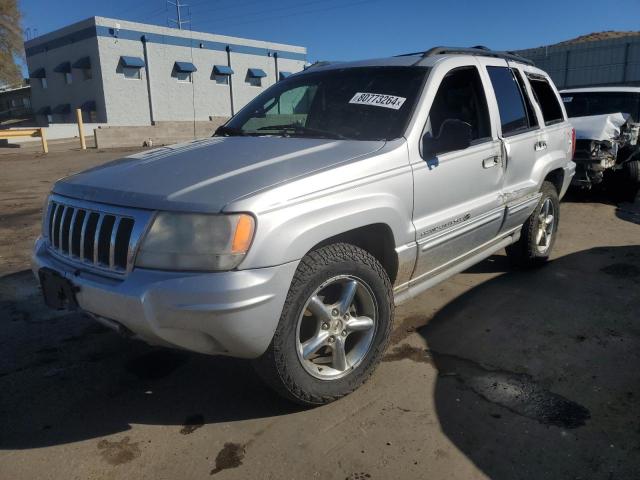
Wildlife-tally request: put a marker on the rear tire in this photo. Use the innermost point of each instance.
(632, 172)
(539, 231)
(333, 329)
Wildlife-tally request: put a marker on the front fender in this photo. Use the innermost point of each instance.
(291, 223)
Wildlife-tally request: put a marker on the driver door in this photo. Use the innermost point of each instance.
(457, 203)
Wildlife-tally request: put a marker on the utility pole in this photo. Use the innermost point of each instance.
(179, 22)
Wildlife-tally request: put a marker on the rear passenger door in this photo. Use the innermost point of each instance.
(457, 201)
(521, 135)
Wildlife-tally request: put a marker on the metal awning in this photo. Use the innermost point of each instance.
(62, 108)
(44, 111)
(185, 67)
(88, 106)
(222, 70)
(284, 75)
(131, 62)
(64, 67)
(256, 73)
(84, 63)
(39, 73)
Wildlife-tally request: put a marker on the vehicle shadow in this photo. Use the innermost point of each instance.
(64, 378)
(539, 371)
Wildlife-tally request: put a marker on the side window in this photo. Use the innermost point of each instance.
(461, 96)
(531, 114)
(513, 115)
(546, 98)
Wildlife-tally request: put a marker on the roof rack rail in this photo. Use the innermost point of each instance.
(319, 63)
(478, 50)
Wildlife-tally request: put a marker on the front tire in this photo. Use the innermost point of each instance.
(539, 231)
(333, 328)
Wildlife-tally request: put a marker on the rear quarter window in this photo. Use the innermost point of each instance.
(547, 99)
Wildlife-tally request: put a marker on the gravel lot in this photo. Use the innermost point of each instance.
(496, 373)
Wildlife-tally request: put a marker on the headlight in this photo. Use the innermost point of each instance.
(181, 241)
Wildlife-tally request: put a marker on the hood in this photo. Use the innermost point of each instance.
(205, 175)
(599, 127)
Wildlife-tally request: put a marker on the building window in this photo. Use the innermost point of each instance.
(43, 82)
(184, 77)
(183, 71)
(68, 78)
(222, 79)
(84, 64)
(255, 76)
(131, 73)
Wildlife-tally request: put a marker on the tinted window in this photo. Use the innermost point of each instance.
(513, 115)
(461, 97)
(582, 104)
(368, 103)
(546, 98)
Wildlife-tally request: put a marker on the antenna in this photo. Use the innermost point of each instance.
(179, 22)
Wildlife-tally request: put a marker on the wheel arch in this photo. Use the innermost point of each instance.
(556, 177)
(376, 239)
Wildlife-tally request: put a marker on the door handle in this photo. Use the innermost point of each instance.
(491, 162)
(541, 145)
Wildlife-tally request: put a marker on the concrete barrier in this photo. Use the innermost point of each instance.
(162, 133)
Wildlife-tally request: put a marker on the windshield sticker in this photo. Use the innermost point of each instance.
(567, 99)
(378, 100)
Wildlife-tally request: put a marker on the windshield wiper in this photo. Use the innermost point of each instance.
(229, 131)
(301, 130)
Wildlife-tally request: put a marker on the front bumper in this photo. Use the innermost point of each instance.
(223, 313)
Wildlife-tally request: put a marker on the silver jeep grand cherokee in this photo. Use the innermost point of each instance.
(290, 235)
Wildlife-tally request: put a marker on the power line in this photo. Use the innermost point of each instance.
(270, 10)
(293, 14)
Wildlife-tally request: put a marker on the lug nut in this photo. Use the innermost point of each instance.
(332, 339)
(325, 326)
(344, 333)
(335, 312)
(346, 316)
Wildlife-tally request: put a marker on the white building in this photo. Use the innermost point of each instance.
(126, 73)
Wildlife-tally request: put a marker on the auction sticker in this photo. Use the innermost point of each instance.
(378, 100)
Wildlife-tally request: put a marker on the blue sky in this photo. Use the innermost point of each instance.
(352, 29)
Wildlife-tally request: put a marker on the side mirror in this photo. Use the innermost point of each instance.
(454, 135)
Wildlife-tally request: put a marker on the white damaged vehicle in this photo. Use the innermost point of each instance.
(606, 121)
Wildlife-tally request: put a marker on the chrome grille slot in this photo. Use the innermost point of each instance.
(96, 236)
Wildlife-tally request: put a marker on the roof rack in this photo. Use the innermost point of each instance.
(479, 50)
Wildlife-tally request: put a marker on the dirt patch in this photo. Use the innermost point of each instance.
(408, 326)
(192, 423)
(407, 352)
(230, 456)
(117, 453)
(358, 476)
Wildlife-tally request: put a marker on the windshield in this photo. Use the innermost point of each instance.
(583, 104)
(369, 103)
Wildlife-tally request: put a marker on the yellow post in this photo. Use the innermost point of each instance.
(43, 139)
(83, 144)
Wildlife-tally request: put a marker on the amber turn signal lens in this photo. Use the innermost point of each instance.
(244, 234)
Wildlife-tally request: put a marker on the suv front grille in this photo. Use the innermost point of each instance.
(94, 235)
